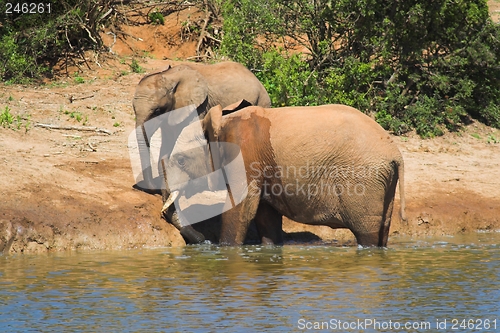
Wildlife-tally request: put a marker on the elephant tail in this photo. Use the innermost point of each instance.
(401, 173)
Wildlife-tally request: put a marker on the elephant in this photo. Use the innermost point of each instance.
(173, 88)
(321, 165)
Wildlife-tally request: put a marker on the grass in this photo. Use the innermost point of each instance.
(78, 79)
(7, 120)
(58, 84)
(135, 67)
(492, 139)
(156, 18)
(475, 135)
(75, 115)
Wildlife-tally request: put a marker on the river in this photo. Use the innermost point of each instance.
(448, 284)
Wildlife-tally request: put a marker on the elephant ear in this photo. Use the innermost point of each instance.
(160, 71)
(236, 106)
(212, 123)
(188, 87)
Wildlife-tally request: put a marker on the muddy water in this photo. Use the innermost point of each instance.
(430, 285)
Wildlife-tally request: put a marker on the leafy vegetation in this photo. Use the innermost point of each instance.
(424, 65)
(135, 67)
(8, 120)
(79, 79)
(31, 43)
(156, 18)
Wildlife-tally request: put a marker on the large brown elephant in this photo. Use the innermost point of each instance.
(323, 165)
(203, 86)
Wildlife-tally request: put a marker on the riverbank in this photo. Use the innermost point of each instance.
(72, 189)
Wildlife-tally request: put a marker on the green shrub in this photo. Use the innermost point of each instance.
(31, 43)
(135, 67)
(423, 65)
(287, 79)
(6, 118)
(156, 18)
(79, 79)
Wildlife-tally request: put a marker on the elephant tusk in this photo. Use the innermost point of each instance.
(170, 201)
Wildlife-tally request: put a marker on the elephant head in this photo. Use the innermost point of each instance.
(195, 165)
(157, 94)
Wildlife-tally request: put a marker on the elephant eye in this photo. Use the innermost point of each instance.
(181, 161)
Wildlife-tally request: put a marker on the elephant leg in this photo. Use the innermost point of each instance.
(269, 223)
(373, 232)
(235, 222)
(365, 218)
(388, 207)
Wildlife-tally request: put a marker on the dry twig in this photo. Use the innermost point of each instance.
(71, 98)
(74, 128)
(92, 147)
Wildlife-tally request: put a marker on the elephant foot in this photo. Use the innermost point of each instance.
(371, 240)
(267, 241)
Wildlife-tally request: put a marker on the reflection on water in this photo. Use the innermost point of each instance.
(257, 289)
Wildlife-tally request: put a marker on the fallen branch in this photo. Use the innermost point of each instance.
(127, 34)
(74, 128)
(198, 57)
(71, 98)
(212, 38)
(92, 147)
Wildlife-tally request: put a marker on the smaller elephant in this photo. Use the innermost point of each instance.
(184, 84)
(322, 165)
(181, 86)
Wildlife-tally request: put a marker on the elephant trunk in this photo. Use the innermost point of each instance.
(144, 154)
(187, 232)
(192, 236)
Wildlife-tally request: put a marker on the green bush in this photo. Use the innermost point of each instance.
(6, 118)
(31, 43)
(287, 79)
(135, 67)
(423, 65)
(156, 18)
